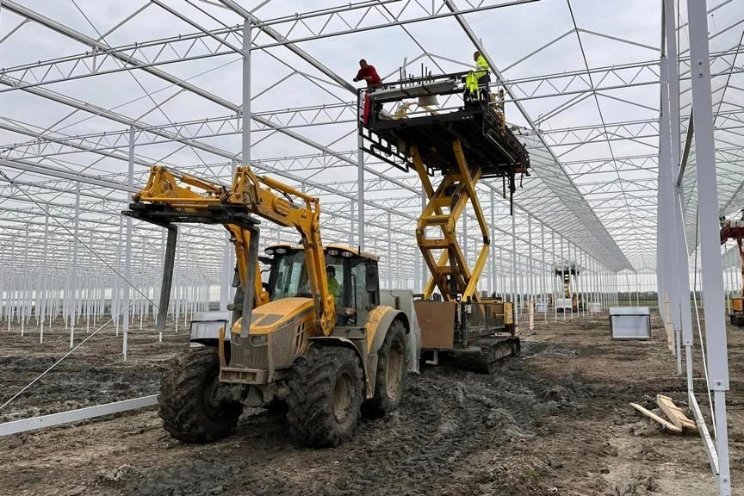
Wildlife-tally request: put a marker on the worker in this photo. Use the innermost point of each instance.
(477, 79)
(333, 286)
(368, 73)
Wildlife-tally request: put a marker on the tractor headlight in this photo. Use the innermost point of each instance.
(258, 340)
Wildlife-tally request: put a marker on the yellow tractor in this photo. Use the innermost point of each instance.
(314, 340)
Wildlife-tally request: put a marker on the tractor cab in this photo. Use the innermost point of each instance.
(352, 278)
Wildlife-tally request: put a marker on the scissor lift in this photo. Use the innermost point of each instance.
(463, 143)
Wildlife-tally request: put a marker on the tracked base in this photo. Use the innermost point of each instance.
(737, 319)
(484, 357)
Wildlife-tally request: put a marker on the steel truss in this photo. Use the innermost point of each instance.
(592, 129)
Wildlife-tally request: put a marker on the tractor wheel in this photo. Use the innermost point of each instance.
(325, 396)
(392, 370)
(190, 407)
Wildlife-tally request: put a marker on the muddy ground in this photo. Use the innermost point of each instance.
(555, 420)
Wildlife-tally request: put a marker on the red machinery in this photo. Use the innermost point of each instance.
(735, 230)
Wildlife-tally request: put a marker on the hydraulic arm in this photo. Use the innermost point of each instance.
(168, 199)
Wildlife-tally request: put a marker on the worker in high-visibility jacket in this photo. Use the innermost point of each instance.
(477, 78)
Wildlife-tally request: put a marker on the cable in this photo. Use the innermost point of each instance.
(63, 357)
(699, 326)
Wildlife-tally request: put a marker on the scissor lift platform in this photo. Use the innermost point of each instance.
(486, 141)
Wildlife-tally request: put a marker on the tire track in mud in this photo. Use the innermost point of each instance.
(447, 416)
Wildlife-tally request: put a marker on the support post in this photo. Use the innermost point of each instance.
(44, 282)
(128, 253)
(492, 199)
(543, 286)
(715, 327)
(246, 134)
(389, 252)
(530, 289)
(514, 268)
(73, 282)
(360, 193)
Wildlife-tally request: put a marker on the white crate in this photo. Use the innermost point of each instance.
(630, 322)
(206, 325)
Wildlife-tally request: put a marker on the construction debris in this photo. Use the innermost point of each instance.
(664, 423)
(677, 422)
(675, 413)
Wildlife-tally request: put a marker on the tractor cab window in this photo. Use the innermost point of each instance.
(360, 297)
(289, 276)
(335, 277)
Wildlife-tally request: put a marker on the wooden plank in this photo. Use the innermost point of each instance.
(675, 413)
(664, 423)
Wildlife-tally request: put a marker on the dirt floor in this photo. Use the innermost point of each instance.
(555, 420)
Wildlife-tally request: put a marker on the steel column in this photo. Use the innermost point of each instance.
(712, 278)
(360, 194)
(128, 252)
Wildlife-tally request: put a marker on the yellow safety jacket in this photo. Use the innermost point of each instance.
(481, 69)
(334, 287)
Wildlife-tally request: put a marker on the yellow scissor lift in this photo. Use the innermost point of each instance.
(463, 144)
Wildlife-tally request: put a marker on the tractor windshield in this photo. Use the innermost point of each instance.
(289, 276)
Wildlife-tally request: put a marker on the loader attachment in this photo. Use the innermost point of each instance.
(245, 231)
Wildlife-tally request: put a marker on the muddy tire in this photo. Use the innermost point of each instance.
(325, 396)
(187, 405)
(392, 370)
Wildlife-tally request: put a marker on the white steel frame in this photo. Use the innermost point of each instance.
(592, 195)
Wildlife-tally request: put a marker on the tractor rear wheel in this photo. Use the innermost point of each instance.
(325, 396)
(190, 405)
(392, 370)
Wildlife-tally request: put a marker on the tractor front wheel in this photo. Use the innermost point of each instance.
(325, 396)
(190, 404)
